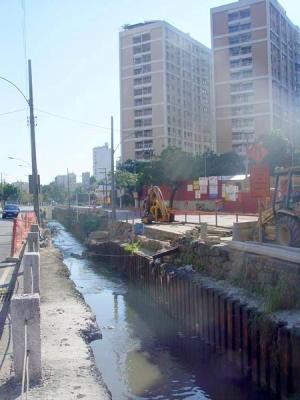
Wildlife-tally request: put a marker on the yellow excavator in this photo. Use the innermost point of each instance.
(281, 222)
(155, 209)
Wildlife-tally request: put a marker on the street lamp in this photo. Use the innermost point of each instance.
(29, 101)
(20, 159)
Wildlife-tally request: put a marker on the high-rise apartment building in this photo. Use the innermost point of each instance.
(256, 61)
(166, 91)
(85, 178)
(66, 181)
(101, 161)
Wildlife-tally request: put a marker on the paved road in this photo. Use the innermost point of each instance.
(5, 238)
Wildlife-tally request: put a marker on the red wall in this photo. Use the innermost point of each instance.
(244, 204)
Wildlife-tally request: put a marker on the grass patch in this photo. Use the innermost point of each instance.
(131, 248)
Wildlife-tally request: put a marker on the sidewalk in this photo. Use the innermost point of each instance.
(5, 238)
(69, 370)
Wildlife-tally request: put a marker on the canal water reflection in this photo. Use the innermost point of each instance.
(144, 354)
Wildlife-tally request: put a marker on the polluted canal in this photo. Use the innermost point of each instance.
(143, 353)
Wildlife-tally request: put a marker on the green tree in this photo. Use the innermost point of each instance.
(10, 192)
(133, 166)
(279, 151)
(212, 164)
(126, 182)
(52, 192)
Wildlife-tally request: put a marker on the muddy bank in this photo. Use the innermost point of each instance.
(67, 326)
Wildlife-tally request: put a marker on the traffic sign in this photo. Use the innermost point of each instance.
(257, 152)
(260, 181)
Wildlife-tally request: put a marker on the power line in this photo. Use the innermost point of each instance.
(13, 111)
(73, 120)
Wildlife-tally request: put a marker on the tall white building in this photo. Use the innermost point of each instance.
(166, 91)
(101, 161)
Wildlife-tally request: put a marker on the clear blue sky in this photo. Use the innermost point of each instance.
(73, 45)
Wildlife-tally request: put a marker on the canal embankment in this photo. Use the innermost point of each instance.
(243, 305)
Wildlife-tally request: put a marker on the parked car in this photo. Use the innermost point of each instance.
(10, 211)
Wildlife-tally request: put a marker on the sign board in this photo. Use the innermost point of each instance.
(196, 185)
(189, 188)
(213, 187)
(257, 152)
(197, 194)
(203, 185)
(260, 181)
(30, 181)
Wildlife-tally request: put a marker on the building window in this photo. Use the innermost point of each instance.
(242, 38)
(242, 122)
(143, 133)
(142, 48)
(138, 92)
(140, 81)
(142, 70)
(246, 61)
(138, 123)
(242, 98)
(242, 110)
(241, 87)
(147, 121)
(247, 73)
(234, 63)
(143, 112)
(233, 16)
(245, 13)
(235, 51)
(136, 39)
(146, 37)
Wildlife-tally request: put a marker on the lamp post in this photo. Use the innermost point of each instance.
(29, 101)
(20, 159)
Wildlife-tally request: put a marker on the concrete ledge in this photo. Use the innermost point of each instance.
(25, 308)
(284, 253)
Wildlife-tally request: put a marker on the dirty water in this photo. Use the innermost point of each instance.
(144, 354)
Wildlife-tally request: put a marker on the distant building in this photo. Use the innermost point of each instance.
(256, 58)
(101, 161)
(24, 186)
(63, 181)
(85, 180)
(166, 91)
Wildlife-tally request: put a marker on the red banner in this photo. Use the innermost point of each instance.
(21, 227)
(260, 181)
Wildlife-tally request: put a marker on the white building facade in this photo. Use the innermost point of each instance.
(101, 161)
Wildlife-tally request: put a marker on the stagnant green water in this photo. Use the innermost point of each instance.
(143, 353)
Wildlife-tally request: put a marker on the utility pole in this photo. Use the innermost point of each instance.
(68, 180)
(36, 201)
(105, 186)
(2, 192)
(113, 200)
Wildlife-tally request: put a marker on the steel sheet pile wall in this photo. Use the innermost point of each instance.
(266, 351)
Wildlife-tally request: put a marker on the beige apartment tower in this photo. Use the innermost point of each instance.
(166, 91)
(256, 62)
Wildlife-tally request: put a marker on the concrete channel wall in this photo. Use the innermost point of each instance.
(266, 351)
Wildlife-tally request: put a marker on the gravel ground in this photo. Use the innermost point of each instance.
(67, 324)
